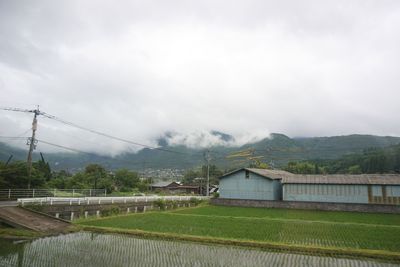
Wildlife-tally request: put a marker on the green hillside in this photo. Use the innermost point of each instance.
(279, 149)
(373, 160)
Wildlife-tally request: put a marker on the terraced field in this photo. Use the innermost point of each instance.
(88, 249)
(339, 230)
(292, 214)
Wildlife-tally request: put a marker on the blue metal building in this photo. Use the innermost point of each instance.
(249, 183)
(261, 184)
(363, 188)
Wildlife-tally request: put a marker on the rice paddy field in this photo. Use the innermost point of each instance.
(90, 249)
(309, 229)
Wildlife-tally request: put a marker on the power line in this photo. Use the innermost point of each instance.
(110, 136)
(21, 134)
(224, 156)
(12, 137)
(182, 160)
(85, 152)
(74, 149)
(65, 147)
(38, 112)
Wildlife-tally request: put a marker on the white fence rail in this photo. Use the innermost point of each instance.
(101, 200)
(9, 194)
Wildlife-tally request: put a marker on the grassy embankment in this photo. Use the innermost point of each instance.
(317, 232)
(14, 233)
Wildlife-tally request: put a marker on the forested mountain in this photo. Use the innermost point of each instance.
(372, 160)
(278, 149)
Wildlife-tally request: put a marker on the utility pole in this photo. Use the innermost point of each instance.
(208, 158)
(31, 142)
(9, 159)
(272, 164)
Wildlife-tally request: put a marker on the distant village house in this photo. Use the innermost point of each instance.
(175, 188)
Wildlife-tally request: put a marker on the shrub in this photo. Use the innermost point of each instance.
(125, 189)
(160, 203)
(195, 201)
(110, 211)
(35, 207)
(174, 204)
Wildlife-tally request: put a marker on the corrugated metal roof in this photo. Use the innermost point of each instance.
(378, 179)
(291, 178)
(271, 174)
(162, 184)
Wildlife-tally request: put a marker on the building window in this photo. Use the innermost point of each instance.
(247, 174)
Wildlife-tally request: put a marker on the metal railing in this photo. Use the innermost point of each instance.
(12, 194)
(102, 200)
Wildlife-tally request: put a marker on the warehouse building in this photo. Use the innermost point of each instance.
(362, 189)
(261, 184)
(249, 183)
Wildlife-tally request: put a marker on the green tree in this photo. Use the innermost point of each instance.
(43, 167)
(94, 173)
(301, 167)
(78, 181)
(189, 176)
(15, 175)
(59, 180)
(355, 169)
(126, 180)
(214, 173)
(259, 165)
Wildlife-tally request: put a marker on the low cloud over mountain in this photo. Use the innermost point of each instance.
(204, 139)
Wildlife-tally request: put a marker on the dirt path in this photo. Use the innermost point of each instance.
(20, 217)
(10, 203)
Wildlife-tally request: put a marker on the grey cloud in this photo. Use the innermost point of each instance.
(138, 69)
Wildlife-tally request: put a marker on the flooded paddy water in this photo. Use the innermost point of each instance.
(92, 249)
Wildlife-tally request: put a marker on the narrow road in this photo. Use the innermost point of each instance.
(8, 203)
(20, 217)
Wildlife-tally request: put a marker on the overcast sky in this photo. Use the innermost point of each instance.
(137, 69)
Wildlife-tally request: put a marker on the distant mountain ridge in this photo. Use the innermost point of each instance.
(278, 149)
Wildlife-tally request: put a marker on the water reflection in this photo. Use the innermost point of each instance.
(90, 249)
(11, 252)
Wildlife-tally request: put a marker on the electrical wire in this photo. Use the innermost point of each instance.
(64, 147)
(46, 115)
(110, 136)
(13, 137)
(85, 152)
(224, 156)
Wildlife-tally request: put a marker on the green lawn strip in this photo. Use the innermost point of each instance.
(270, 246)
(308, 215)
(280, 231)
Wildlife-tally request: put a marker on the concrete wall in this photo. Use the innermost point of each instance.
(375, 208)
(326, 193)
(66, 211)
(237, 186)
